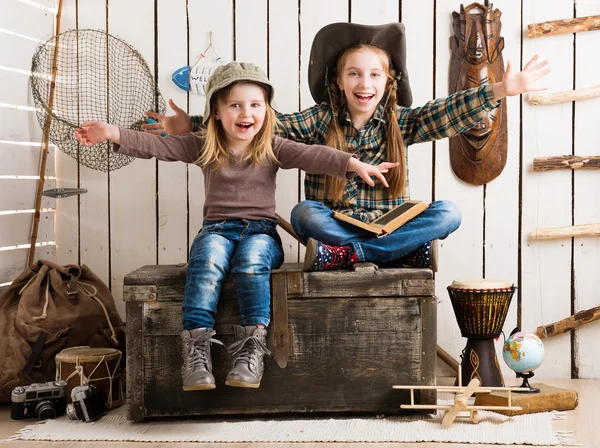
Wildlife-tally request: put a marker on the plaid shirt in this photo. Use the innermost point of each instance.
(435, 120)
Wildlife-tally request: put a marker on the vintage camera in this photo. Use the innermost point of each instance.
(41, 400)
(87, 403)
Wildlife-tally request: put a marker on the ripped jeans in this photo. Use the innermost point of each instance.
(247, 249)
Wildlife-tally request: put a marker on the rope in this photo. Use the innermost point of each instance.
(44, 314)
(93, 296)
(92, 293)
(86, 379)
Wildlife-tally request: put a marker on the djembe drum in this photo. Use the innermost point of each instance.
(80, 366)
(480, 307)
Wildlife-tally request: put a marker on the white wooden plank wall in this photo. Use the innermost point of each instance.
(149, 212)
(546, 287)
(21, 137)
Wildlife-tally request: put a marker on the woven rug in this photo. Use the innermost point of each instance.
(493, 428)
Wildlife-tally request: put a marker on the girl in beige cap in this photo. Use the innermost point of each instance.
(239, 157)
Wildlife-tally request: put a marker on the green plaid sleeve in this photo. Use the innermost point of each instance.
(196, 123)
(446, 117)
(306, 125)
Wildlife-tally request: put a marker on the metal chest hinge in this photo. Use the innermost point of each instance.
(139, 293)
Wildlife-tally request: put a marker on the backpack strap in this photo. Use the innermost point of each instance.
(36, 352)
(74, 272)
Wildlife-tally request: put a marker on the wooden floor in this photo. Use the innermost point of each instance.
(584, 421)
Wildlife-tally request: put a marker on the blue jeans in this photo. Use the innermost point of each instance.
(247, 249)
(312, 219)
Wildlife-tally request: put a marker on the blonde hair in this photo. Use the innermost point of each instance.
(215, 152)
(396, 151)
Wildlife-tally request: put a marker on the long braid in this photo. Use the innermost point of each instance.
(335, 138)
(396, 149)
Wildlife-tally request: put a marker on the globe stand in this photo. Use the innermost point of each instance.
(527, 388)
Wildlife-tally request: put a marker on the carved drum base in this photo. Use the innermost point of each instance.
(479, 361)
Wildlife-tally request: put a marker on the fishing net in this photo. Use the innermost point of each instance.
(98, 77)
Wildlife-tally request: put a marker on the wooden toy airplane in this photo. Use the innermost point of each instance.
(461, 397)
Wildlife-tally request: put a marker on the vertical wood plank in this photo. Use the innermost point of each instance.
(216, 17)
(418, 16)
(587, 200)
(374, 12)
(546, 288)
(251, 32)
(284, 67)
(502, 194)
(172, 176)
(314, 15)
(67, 176)
(94, 213)
(461, 253)
(132, 188)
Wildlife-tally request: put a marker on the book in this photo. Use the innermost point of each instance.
(549, 398)
(390, 221)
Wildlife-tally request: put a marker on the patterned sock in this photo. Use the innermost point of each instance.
(420, 258)
(324, 257)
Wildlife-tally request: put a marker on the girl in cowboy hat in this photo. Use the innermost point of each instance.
(358, 77)
(239, 157)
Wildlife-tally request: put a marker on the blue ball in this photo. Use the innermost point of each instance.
(150, 120)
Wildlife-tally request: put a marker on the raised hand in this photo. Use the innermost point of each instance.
(524, 81)
(92, 132)
(178, 124)
(365, 171)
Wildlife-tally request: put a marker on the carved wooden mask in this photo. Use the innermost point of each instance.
(478, 155)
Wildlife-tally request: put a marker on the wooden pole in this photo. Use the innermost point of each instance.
(555, 233)
(288, 228)
(538, 98)
(566, 162)
(44, 153)
(575, 25)
(571, 322)
(447, 358)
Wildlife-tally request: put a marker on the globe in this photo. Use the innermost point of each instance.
(523, 352)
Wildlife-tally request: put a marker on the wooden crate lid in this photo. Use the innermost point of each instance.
(364, 282)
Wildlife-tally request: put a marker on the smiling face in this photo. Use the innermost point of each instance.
(241, 112)
(363, 75)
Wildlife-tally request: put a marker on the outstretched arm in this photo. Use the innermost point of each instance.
(462, 110)
(184, 148)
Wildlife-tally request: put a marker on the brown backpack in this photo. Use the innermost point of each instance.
(49, 308)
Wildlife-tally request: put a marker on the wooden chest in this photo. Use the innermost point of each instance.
(340, 340)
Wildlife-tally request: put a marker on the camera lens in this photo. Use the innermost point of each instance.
(45, 410)
(71, 411)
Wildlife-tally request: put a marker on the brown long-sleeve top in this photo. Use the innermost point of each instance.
(240, 189)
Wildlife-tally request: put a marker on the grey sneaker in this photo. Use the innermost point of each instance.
(247, 352)
(197, 363)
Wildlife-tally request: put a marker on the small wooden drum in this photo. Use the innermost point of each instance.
(79, 366)
(480, 307)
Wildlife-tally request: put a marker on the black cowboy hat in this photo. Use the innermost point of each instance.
(332, 39)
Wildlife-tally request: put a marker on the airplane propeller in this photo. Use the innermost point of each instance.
(460, 402)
